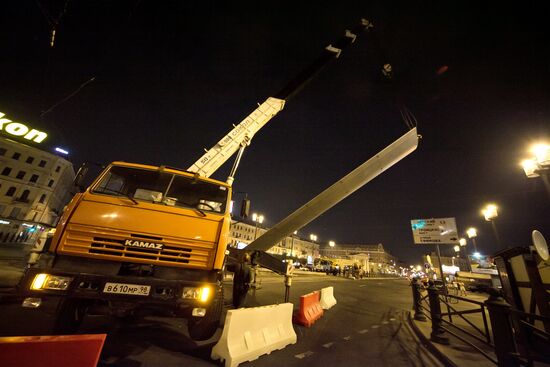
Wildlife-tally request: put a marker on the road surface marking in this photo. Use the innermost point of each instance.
(304, 355)
(328, 345)
(385, 322)
(347, 337)
(375, 326)
(363, 331)
(362, 285)
(392, 319)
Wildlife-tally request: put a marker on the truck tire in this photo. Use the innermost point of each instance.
(241, 282)
(69, 316)
(203, 328)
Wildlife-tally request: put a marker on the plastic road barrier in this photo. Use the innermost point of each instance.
(251, 332)
(51, 351)
(310, 309)
(327, 298)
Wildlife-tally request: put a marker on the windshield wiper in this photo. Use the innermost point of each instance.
(119, 193)
(200, 210)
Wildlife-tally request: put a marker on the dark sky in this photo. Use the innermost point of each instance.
(170, 77)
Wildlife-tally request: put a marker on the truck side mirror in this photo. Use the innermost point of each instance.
(245, 208)
(80, 175)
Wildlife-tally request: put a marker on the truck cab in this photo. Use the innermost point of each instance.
(140, 239)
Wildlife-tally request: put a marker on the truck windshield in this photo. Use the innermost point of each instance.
(163, 188)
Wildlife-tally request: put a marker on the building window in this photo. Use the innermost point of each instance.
(42, 199)
(25, 195)
(16, 156)
(50, 184)
(15, 212)
(58, 168)
(6, 171)
(42, 163)
(11, 191)
(3, 151)
(29, 160)
(20, 175)
(34, 178)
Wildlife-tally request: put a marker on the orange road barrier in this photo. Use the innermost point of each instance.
(310, 309)
(51, 351)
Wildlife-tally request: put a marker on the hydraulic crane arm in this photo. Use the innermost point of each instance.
(241, 135)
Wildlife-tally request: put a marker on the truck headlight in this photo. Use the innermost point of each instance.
(202, 294)
(53, 282)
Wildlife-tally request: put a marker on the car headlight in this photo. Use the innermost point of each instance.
(53, 282)
(199, 293)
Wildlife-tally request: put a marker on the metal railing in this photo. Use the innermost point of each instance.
(512, 335)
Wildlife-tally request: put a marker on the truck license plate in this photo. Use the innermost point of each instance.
(122, 288)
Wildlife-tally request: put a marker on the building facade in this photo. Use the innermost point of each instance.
(35, 185)
(243, 233)
(373, 258)
(450, 264)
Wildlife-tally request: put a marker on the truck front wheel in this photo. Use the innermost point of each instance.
(69, 316)
(203, 328)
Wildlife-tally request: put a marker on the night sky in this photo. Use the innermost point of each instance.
(157, 81)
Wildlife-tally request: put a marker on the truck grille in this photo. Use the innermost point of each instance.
(107, 246)
(104, 244)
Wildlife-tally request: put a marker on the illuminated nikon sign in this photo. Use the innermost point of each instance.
(19, 129)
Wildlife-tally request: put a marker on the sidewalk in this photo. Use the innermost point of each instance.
(458, 352)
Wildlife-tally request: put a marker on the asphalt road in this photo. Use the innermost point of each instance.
(366, 326)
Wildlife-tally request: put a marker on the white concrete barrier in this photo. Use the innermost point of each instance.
(327, 298)
(251, 332)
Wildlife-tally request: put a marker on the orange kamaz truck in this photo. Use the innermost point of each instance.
(153, 239)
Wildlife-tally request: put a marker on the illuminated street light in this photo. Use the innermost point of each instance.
(462, 242)
(257, 218)
(313, 237)
(331, 243)
(539, 164)
(472, 233)
(490, 212)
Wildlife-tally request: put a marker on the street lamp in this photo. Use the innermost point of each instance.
(472, 233)
(331, 243)
(539, 164)
(313, 237)
(490, 212)
(292, 243)
(257, 218)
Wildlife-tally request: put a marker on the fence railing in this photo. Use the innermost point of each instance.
(511, 334)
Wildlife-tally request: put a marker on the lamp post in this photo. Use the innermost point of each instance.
(462, 243)
(292, 243)
(539, 164)
(457, 249)
(472, 233)
(490, 212)
(257, 218)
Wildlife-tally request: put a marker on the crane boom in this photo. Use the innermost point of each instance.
(240, 136)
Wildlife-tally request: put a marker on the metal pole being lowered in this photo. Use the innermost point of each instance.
(347, 185)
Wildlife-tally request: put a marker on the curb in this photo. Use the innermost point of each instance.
(430, 345)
